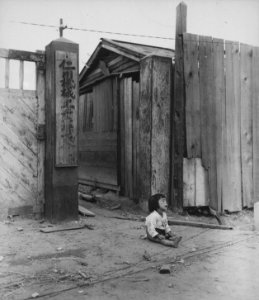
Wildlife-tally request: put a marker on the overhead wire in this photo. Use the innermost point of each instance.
(96, 31)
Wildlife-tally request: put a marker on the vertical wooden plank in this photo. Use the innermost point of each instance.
(189, 182)
(7, 72)
(128, 136)
(178, 110)
(81, 114)
(232, 165)
(208, 115)
(201, 184)
(122, 138)
(95, 109)
(145, 126)
(255, 101)
(192, 92)
(21, 74)
(135, 138)
(40, 90)
(160, 135)
(246, 124)
(219, 99)
(115, 103)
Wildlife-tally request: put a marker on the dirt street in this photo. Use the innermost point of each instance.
(108, 263)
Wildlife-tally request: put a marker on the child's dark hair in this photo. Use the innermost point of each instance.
(153, 202)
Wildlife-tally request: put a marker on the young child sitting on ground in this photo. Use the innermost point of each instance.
(157, 227)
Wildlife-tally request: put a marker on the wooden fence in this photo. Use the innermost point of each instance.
(222, 123)
(22, 153)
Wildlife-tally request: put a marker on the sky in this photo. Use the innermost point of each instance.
(236, 20)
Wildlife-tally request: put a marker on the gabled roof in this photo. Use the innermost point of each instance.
(129, 50)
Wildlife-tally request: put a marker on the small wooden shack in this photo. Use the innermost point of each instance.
(124, 118)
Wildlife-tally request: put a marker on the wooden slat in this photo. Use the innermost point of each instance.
(20, 118)
(115, 100)
(208, 115)
(189, 182)
(232, 165)
(135, 141)
(201, 184)
(7, 72)
(102, 141)
(246, 124)
(22, 55)
(128, 136)
(255, 97)
(21, 75)
(192, 92)
(122, 138)
(145, 127)
(219, 99)
(178, 110)
(40, 89)
(161, 120)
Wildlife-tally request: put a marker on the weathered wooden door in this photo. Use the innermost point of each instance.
(21, 147)
(98, 126)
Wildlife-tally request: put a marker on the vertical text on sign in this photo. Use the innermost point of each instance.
(66, 109)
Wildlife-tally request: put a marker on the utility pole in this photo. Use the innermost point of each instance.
(61, 27)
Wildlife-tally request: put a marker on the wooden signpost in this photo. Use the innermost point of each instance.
(61, 131)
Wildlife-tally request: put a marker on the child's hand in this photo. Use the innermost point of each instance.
(161, 237)
(169, 234)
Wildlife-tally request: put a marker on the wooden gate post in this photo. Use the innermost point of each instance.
(61, 180)
(178, 133)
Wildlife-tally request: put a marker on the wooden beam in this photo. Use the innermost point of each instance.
(104, 68)
(255, 99)
(172, 221)
(22, 55)
(178, 135)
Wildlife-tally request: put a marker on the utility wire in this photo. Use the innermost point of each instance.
(98, 31)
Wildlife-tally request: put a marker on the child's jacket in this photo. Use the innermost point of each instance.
(156, 221)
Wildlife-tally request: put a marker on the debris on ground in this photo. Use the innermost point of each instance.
(84, 275)
(63, 228)
(165, 269)
(117, 206)
(147, 256)
(35, 295)
(85, 212)
(1, 258)
(19, 229)
(87, 197)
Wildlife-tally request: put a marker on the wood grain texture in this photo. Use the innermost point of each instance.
(178, 110)
(40, 90)
(201, 184)
(208, 116)
(135, 137)
(145, 127)
(189, 179)
(66, 109)
(255, 97)
(18, 148)
(232, 165)
(161, 120)
(219, 98)
(246, 60)
(192, 93)
(128, 137)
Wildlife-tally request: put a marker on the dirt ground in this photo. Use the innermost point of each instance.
(113, 261)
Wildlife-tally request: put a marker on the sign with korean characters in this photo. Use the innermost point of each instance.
(66, 109)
